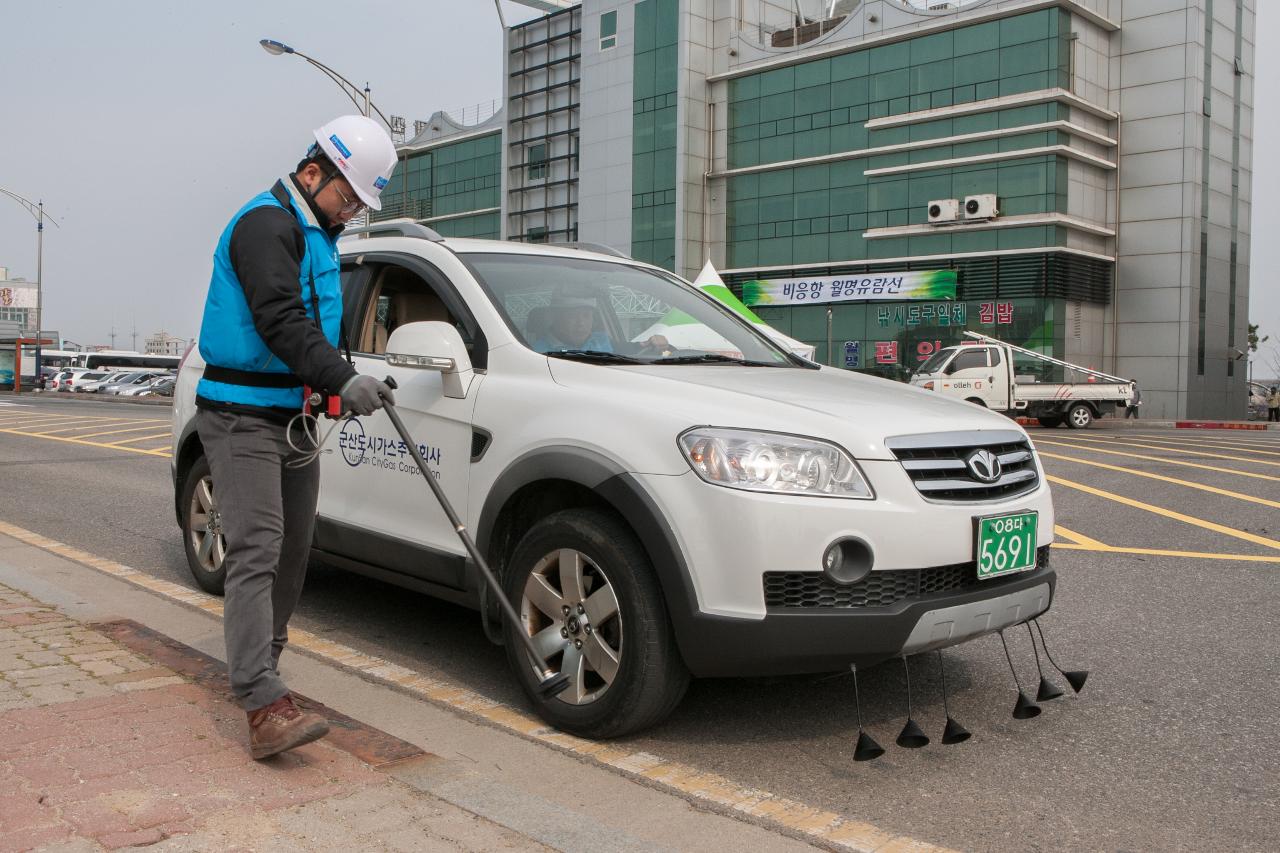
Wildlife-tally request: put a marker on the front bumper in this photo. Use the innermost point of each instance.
(793, 640)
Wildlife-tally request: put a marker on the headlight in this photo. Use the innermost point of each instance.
(773, 462)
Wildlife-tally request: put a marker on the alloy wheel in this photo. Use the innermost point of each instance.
(570, 610)
(204, 526)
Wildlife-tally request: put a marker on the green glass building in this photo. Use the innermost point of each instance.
(1084, 167)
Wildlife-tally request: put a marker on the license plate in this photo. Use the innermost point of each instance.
(1006, 544)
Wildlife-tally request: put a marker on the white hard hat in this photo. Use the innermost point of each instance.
(363, 153)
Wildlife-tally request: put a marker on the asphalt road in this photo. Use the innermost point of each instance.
(1172, 744)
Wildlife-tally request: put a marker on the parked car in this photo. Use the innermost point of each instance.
(129, 380)
(161, 388)
(97, 385)
(88, 377)
(1256, 407)
(61, 378)
(653, 512)
(142, 389)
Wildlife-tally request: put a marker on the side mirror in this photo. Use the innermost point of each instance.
(432, 345)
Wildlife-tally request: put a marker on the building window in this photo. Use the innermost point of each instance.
(536, 234)
(608, 30)
(537, 161)
(18, 315)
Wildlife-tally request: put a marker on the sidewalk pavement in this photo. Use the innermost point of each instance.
(101, 747)
(117, 729)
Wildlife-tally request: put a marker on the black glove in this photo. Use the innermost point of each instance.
(364, 395)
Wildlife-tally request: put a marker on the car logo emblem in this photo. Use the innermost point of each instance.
(983, 465)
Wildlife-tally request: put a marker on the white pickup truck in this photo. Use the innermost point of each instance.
(707, 504)
(1008, 379)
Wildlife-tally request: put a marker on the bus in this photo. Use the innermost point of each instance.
(51, 361)
(121, 360)
(49, 358)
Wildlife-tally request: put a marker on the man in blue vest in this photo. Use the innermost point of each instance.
(272, 323)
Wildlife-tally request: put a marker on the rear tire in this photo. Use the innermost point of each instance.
(1079, 416)
(1050, 421)
(977, 401)
(625, 669)
(202, 537)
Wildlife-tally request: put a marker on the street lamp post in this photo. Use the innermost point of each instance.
(276, 48)
(351, 90)
(36, 209)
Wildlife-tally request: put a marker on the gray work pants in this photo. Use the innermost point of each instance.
(268, 513)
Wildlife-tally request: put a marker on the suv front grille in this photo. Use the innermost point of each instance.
(878, 589)
(937, 464)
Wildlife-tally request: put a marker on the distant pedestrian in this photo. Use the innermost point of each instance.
(1273, 405)
(1131, 408)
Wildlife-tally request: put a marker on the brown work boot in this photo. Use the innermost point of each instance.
(281, 726)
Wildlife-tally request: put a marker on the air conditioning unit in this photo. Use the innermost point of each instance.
(943, 210)
(981, 207)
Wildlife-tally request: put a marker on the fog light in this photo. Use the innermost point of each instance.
(847, 561)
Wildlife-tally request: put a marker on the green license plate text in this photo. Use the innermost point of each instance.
(1006, 544)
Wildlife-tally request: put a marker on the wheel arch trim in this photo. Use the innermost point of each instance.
(626, 495)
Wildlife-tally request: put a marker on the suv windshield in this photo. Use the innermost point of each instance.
(607, 312)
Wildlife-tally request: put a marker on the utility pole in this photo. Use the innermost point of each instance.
(113, 337)
(36, 210)
(134, 336)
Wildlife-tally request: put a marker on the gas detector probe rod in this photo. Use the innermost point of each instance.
(549, 683)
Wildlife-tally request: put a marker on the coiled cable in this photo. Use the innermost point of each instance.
(310, 429)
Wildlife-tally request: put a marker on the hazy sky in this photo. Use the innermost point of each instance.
(144, 125)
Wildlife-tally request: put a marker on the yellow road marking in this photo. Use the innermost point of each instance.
(110, 431)
(829, 827)
(1205, 453)
(1168, 513)
(1162, 478)
(1162, 459)
(138, 438)
(1078, 538)
(1161, 552)
(70, 440)
(1236, 439)
(46, 420)
(1175, 442)
(46, 413)
(118, 421)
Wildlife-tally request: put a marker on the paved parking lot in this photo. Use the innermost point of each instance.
(1112, 488)
(108, 425)
(1167, 545)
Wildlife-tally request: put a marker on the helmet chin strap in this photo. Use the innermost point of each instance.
(315, 204)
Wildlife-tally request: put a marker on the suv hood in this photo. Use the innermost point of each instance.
(856, 411)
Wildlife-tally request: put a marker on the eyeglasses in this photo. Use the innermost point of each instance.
(348, 205)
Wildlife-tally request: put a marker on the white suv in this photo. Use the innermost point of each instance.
(672, 496)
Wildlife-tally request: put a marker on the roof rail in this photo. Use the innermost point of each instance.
(600, 248)
(403, 227)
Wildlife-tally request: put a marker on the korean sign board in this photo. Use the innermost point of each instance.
(926, 285)
(17, 297)
(902, 320)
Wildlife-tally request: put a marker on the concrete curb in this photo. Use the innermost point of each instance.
(106, 398)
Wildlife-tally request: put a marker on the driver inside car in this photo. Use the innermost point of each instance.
(572, 318)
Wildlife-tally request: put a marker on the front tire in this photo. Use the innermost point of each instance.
(1050, 421)
(588, 597)
(1079, 416)
(202, 536)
